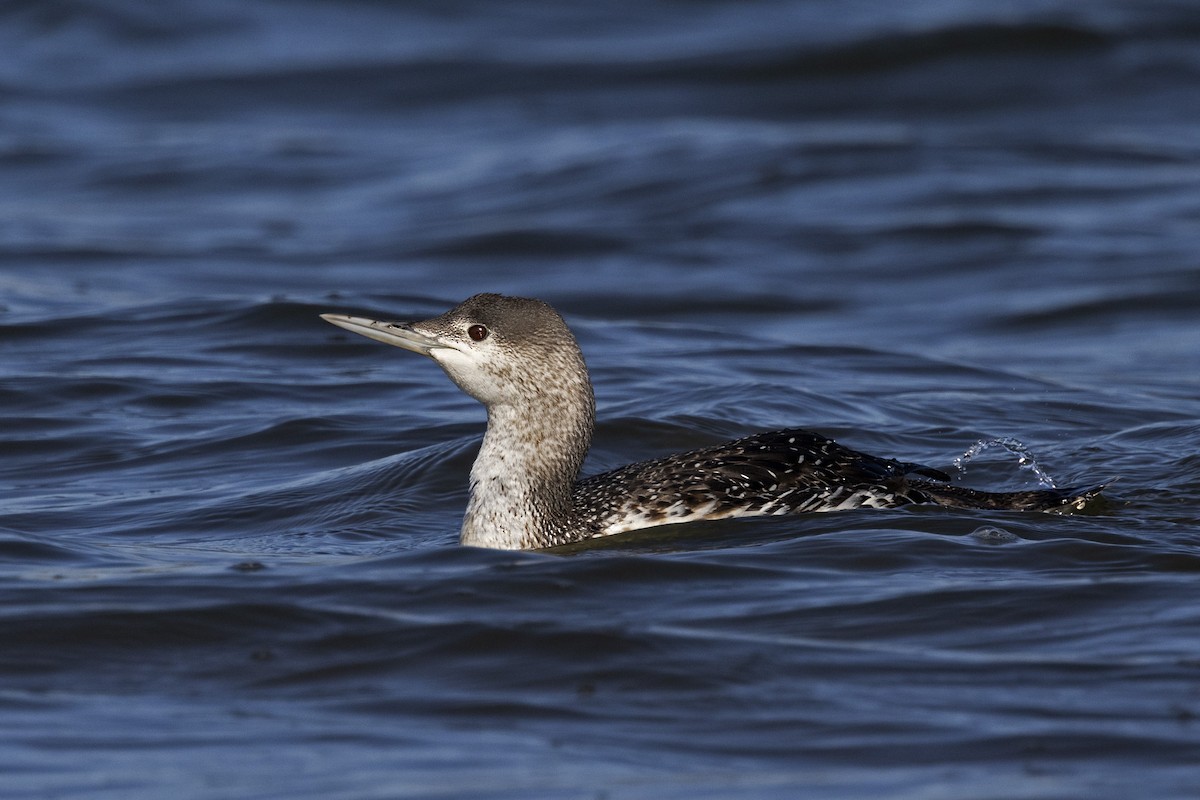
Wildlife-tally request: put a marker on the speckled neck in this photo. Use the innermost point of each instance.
(523, 478)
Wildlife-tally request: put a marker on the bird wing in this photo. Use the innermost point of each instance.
(777, 472)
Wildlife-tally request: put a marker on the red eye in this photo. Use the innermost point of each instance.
(477, 333)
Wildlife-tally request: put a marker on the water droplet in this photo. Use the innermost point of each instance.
(1025, 458)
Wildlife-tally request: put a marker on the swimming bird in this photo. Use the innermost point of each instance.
(518, 357)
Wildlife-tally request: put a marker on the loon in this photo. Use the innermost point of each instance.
(518, 357)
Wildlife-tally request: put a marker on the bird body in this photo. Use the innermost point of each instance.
(518, 357)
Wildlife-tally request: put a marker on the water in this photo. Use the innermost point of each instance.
(1025, 457)
(228, 559)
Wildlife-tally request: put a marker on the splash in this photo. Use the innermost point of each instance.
(1025, 458)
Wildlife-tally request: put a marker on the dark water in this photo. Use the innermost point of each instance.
(228, 560)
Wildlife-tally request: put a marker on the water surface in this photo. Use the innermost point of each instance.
(228, 558)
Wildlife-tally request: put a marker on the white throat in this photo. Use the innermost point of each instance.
(524, 475)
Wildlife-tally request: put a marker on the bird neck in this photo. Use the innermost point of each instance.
(524, 475)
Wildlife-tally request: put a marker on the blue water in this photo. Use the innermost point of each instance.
(228, 531)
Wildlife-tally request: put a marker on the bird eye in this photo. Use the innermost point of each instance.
(477, 333)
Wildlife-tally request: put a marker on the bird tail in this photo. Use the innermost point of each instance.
(1074, 499)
